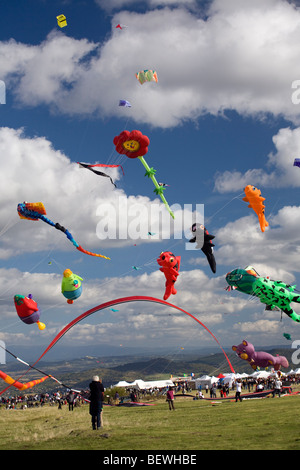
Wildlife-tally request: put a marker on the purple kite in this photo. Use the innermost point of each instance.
(262, 359)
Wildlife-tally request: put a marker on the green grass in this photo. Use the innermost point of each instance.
(265, 424)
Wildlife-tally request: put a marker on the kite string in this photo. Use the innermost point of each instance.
(9, 224)
(225, 205)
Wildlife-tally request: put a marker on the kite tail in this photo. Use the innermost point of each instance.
(89, 253)
(296, 298)
(290, 313)
(21, 386)
(70, 237)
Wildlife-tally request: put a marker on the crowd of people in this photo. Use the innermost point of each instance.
(273, 382)
(40, 399)
(94, 395)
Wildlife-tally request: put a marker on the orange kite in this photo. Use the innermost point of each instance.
(253, 196)
(9, 380)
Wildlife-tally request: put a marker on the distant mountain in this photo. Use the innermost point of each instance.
(77, 373)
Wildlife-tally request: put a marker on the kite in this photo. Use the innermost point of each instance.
(71, 287)
(91, 166)
(61, 21)
(135, 145)
(253, 196)
(287, 336)
(204, 241)
(36, 210)
(99, 173)
(124, 103)
(297, 162)
(21, 386)
(272, 293)
(112, 303)
(28, 310)
(136, 268)
(146, 76)
(256, 359)
(170, 265)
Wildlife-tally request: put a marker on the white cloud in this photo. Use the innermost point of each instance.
(279, 171)
(136, 321)
(86, 204)
(242, 57)
(260, 326)
(120, 4)
(274, 253)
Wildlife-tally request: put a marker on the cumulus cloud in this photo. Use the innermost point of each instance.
(279, 170)
(136, 322)
(242, 57)
(274, 253)
(267, 327)
(101, 216)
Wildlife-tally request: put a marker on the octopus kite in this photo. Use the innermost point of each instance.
(36, 210)
(253, 196)
(272, 293)
(170, 265)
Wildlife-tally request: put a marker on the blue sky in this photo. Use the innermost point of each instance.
(220, 117)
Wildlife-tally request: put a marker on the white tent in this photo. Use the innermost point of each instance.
(159, 384)
(142, 385)
(230, 378)
(205, 380)
(260, 374)
(122, 383)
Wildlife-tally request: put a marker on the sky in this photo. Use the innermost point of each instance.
(224, 113)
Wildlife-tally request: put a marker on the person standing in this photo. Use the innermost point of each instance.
(278, 387)
(96, 402)
(71, 399)
(238, 391)
(170, 398)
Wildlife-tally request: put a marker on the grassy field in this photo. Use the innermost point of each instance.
(264, 424)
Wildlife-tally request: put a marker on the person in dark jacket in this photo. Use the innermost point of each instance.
(71, 399)
(96, 401)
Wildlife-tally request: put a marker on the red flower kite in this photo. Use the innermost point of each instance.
(135, 145)
(132, 144)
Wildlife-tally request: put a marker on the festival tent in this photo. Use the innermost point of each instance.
(221, 376)
(142, 385)
(230, 378)
(122, 383)
(205, 380)
(261, 374)
(244, 375)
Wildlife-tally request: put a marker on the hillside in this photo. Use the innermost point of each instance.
(78, 372)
